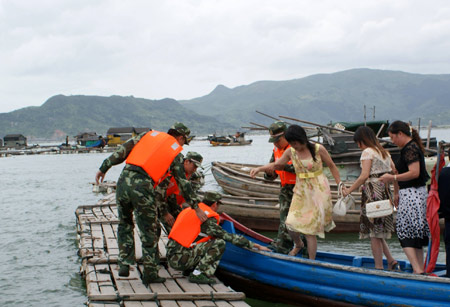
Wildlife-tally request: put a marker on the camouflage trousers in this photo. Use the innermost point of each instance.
(204, 257)
(135, 194)
(283, 242)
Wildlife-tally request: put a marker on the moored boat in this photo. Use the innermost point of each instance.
(331, 279)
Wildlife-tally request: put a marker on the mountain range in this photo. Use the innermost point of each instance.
(318, 98)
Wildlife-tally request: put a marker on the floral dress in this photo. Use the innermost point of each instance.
(311, 209)
(374, 190)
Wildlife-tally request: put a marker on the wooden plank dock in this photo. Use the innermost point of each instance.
(97, 236)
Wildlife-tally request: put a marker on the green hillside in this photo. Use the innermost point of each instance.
(68, 115)
(333, 97)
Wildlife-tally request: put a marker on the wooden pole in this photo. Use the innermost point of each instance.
(429, 134)
(318, 125)
(262, 126)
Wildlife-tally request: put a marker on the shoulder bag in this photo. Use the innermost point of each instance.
(380, 208)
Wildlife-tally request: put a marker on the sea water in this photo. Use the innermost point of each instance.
(39, 195)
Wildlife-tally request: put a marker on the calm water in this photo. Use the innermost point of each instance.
(39, 195)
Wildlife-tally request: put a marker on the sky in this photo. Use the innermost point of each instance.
(183, 49)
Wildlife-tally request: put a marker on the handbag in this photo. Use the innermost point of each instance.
(343, 203)
(379, 208)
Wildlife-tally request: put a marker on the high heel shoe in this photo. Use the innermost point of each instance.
(297, 249)
(394, 266)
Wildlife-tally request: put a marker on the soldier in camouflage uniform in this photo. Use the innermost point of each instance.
(135, 194)
(200, 260)
(283, 242)
(169, 205)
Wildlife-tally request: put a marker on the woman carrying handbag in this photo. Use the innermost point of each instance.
(375, 161)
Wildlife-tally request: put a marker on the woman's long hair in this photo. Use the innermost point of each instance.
(366, 136)
(400, 126)
(298, 134)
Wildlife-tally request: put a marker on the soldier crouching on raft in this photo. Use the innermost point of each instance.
(169, 199)
(196, 247)
(149, 156)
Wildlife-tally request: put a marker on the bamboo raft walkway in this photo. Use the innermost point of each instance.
(97, 237)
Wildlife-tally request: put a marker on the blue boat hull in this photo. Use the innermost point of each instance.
(340, 278)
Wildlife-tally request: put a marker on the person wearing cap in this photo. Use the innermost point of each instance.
(283, 242)
(149, 156)
(196, 247)
(169, 199)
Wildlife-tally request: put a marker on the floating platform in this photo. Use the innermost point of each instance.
(97, 236)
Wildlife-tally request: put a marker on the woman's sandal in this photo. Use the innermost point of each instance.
(297, 249)
(394, 266)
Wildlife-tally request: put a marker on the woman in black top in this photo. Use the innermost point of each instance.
(411, 223)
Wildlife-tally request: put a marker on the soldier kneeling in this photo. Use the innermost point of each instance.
(195, 247)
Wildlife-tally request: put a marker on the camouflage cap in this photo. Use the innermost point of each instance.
(212, 196)
(276, 130)
(183, 130)
(194, 157)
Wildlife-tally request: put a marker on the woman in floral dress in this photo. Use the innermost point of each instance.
(375, 162)
(311, 208)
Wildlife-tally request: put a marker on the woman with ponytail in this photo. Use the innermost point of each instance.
(375, 161)
(411, 223)
(311, 209)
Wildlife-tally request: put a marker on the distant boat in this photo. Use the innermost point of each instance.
(330, 280)
(232, 140)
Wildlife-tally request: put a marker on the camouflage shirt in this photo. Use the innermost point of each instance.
(211, 228)
(287, 168)
(176, 169)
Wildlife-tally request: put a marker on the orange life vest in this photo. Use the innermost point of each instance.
(154, 153)
(285, 177)
(187, 226)
(172, 188)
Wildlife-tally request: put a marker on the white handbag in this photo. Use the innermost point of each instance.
(379, 208)
(343, 203)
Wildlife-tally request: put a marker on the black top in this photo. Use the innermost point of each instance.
(409, 154)
(444, 192)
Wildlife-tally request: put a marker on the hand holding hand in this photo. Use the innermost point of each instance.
(345, 191)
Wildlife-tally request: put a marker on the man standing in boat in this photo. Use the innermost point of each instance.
(169, 199)
(149, 156)
(196, 247)
(283, 242)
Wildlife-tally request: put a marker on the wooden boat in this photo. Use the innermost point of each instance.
(246, 142)
(235, 179)
(331, 280)
(232, 140)
(263, 214)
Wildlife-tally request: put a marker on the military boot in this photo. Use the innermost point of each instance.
(152, 278)
(201, 279)
(124, 270)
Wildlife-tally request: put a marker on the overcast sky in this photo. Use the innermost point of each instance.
(184, 49)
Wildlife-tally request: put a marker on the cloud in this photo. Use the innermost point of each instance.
(183, 49)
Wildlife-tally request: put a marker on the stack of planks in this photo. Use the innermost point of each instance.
(97, 236)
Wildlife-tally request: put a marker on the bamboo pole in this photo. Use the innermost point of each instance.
(318, 125)
(428, 135)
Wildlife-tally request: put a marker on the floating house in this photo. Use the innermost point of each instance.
(87, 138)
(14, 140)
(120, 135)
